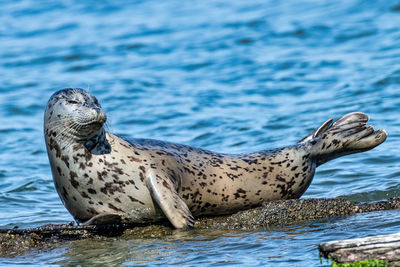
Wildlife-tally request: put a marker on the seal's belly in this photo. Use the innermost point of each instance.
(91, 184)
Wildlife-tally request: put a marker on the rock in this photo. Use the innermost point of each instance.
(283, 212)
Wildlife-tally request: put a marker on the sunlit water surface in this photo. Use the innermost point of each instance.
(231, 76)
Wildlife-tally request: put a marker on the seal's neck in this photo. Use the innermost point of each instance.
(99, 143)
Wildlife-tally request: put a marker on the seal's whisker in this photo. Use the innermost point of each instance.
(57, 123)
(56, 129)
(64, 134)
(54, 123)
(70, 128)
(75, 127)
(67, 139)
(107, 127)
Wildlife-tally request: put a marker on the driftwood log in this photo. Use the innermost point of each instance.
(17, 241)
(382, 247)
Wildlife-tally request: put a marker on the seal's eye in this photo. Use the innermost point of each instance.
(72, 102)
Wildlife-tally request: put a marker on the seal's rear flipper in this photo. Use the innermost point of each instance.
(320, 130)
(347, 135)
(164, 194)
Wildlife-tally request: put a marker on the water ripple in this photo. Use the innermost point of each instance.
(229, 76)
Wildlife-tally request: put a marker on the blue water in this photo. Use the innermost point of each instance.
(231, 76)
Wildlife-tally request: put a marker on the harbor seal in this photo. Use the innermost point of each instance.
(100, 176)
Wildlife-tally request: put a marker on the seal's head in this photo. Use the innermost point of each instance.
(73, 115)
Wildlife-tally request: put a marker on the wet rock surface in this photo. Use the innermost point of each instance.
(16, 242)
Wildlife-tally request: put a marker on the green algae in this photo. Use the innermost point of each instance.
(366, 263)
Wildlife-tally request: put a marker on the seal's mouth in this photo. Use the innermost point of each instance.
(96, 123)
(91, 124)
(85, 130)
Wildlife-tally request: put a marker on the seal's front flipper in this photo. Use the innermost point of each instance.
(104, 218)
(164, 194)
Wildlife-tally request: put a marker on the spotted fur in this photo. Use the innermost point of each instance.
(96, 172)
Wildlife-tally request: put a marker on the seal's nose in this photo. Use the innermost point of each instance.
(101, 116)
